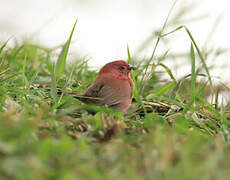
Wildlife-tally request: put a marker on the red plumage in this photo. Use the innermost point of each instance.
(112, 87)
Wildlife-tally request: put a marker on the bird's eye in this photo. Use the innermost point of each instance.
(123, 67)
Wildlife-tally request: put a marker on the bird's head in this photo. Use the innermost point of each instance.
(118, 68)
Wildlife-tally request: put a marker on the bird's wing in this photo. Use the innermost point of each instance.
(107, 95)
(94, 89)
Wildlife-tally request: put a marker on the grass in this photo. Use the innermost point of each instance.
(171, 130)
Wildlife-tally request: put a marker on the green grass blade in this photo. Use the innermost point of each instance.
(145, 75)
(175, 90)
(193, 69)
(54, 85)
(200, 55)
(130, 61)
(135, 90)
(3, 46)
(194, 95)
(60, 65)
(197, 49)
(23, 70)
(162, 89)
(168, 71)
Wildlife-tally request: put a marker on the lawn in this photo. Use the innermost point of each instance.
(175, 128)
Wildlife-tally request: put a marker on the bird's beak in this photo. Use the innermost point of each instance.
(131, 68)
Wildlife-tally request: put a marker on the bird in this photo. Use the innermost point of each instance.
(112, 87)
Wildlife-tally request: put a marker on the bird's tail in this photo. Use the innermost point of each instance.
(81, 97)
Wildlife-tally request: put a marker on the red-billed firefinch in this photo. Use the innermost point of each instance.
(112, 87)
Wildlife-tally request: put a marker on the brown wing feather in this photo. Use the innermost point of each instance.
(111, 96)
(91, 94)
(94, 89)
(105, 94)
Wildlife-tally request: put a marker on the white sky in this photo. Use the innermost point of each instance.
(105, 27)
